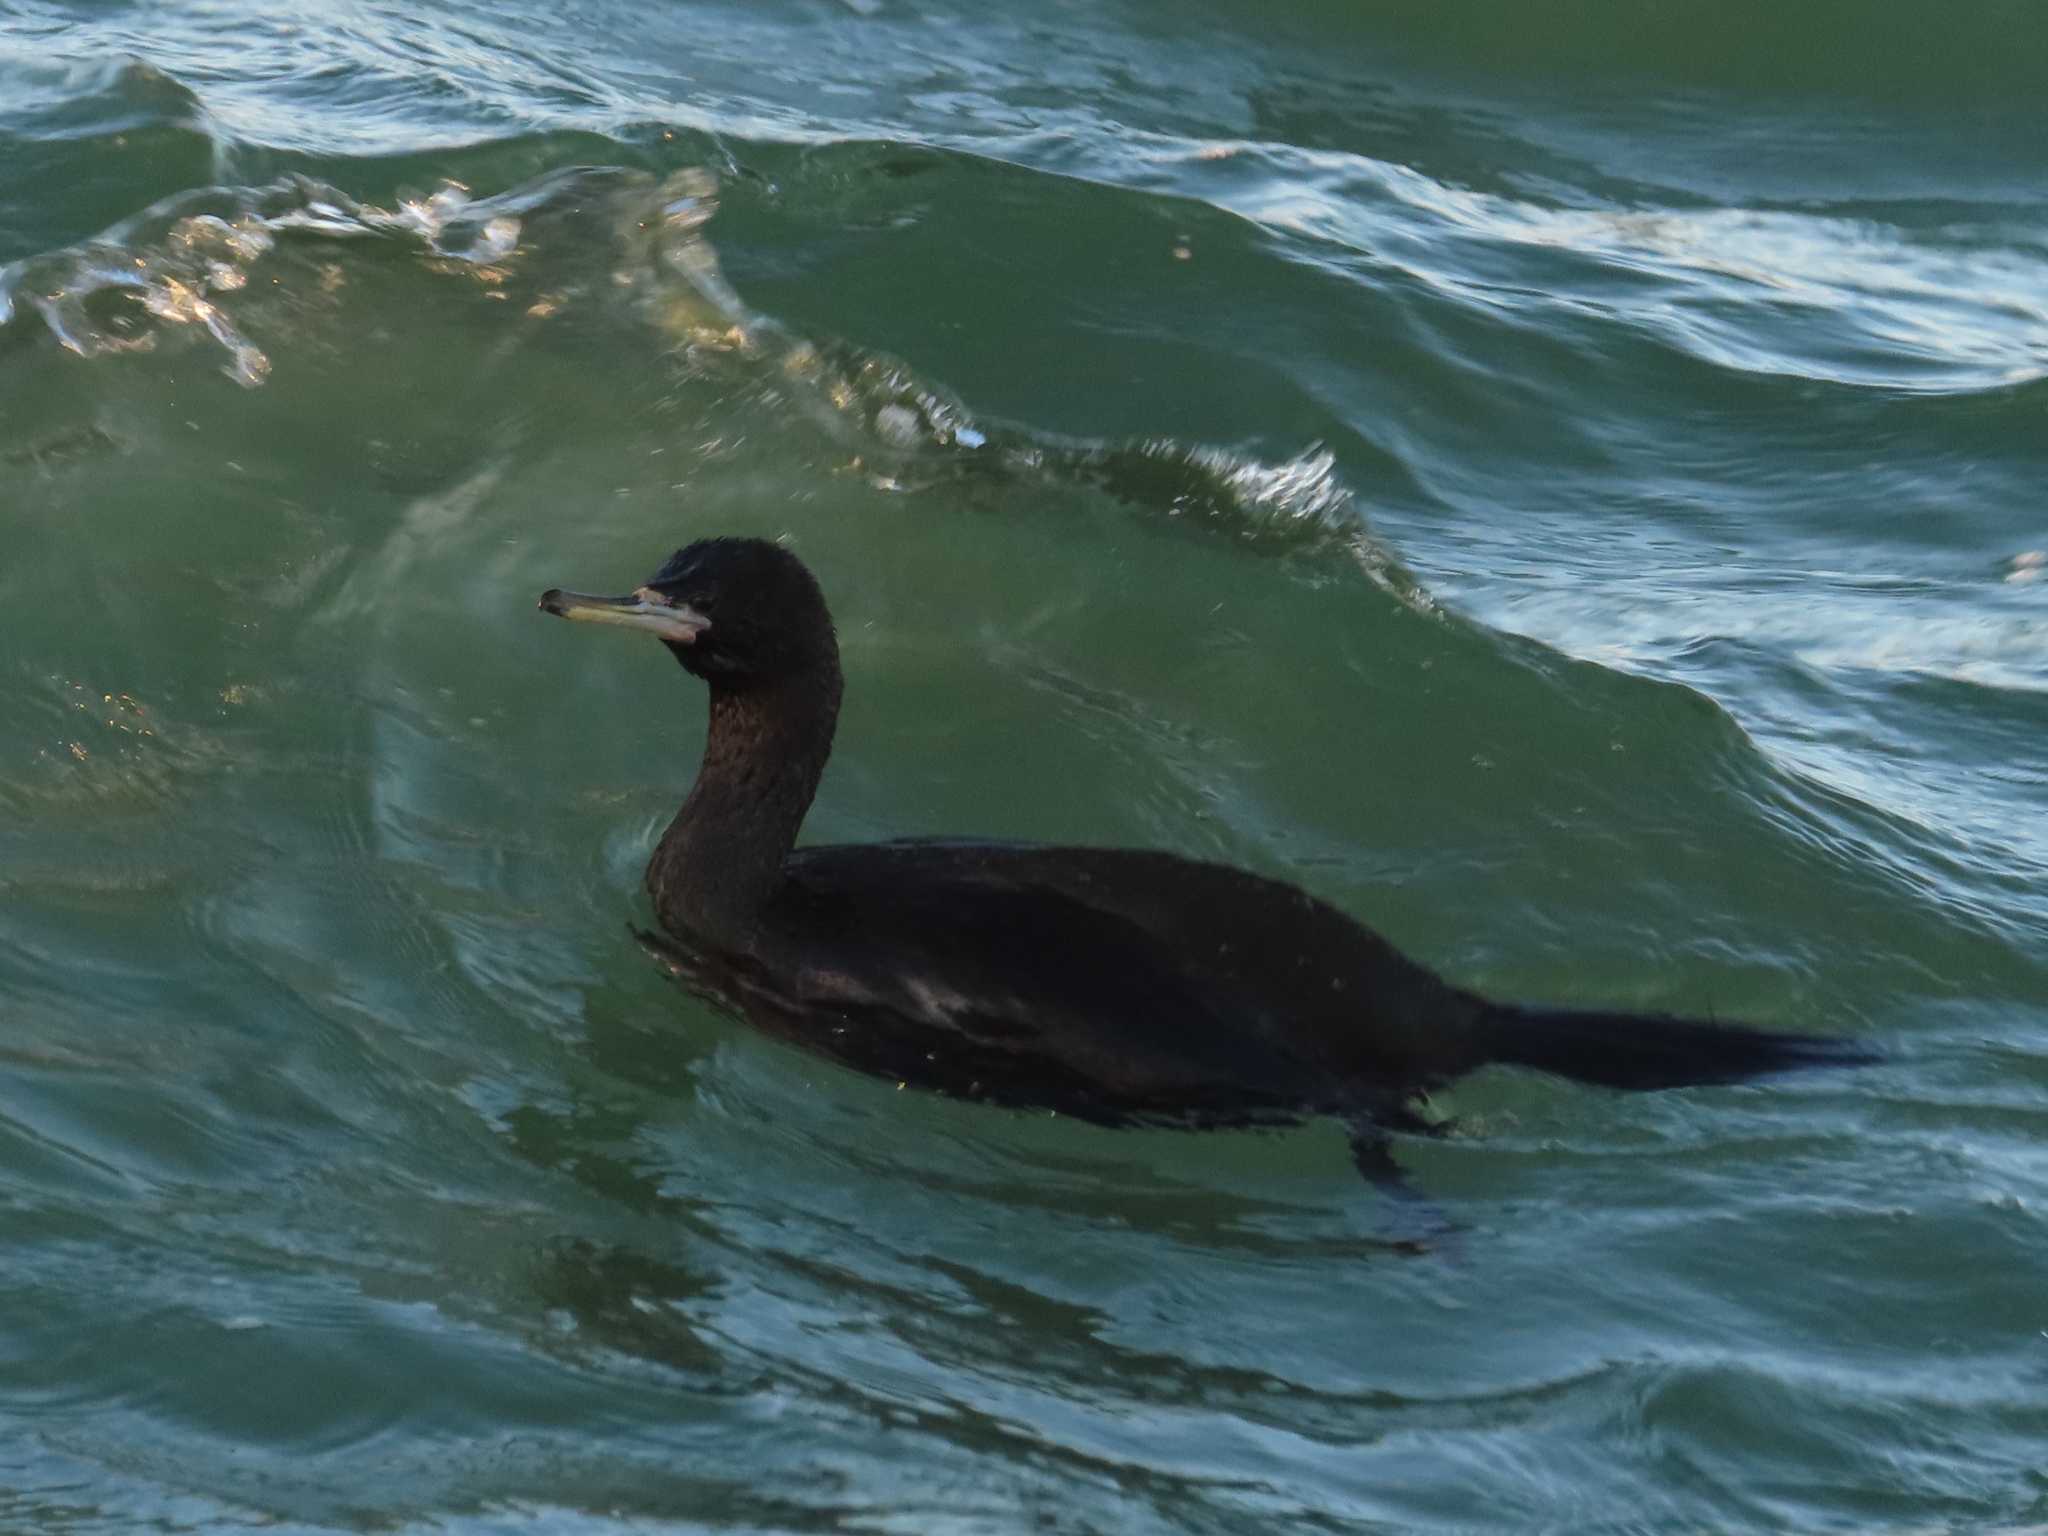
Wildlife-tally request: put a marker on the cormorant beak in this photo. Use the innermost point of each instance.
(646, 609)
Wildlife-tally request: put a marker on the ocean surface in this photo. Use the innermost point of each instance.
(1567, 484)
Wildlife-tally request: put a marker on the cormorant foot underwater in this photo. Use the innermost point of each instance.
(1116, 985)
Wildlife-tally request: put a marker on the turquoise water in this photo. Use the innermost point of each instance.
(1566, 488)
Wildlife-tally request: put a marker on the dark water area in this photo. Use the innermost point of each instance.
(1565, 487)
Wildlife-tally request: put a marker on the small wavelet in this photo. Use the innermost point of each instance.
(102, 96)
(180, 260)
(1841, 295)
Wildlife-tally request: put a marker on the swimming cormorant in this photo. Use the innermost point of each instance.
(1118, 985)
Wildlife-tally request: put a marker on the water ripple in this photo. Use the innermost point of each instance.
(1806, 294)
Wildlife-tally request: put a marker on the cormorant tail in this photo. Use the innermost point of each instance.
(1652, 1050)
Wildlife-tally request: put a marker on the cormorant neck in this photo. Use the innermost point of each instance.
(722, 857)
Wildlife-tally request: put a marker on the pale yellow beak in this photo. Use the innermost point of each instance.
(646, 609)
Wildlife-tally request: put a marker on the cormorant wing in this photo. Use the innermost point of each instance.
(1019, 974)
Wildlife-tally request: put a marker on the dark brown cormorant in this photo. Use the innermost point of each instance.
(1117, 985)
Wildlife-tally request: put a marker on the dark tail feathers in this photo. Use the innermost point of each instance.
(1651, 1050)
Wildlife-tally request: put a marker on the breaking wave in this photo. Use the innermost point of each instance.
(202, 264)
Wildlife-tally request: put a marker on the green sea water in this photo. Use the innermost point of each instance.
(1564, 485)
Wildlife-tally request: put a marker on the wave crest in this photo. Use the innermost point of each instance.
(174, 262)
(191, 262)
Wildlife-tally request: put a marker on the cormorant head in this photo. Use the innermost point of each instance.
(736, 612)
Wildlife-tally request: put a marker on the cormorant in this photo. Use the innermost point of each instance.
(1118, 985)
